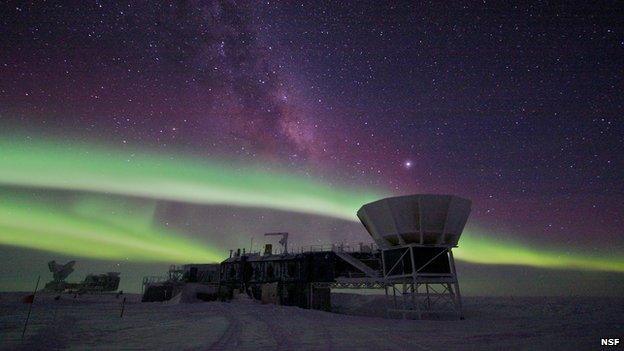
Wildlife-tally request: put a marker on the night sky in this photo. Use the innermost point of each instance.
(319, 107)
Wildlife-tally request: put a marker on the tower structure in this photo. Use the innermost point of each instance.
(416, 235)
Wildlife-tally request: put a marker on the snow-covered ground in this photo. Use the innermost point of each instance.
(492, 323)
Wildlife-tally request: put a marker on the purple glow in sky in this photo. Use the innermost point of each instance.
(517, 107)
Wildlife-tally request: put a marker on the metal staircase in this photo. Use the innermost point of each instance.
(358, 264)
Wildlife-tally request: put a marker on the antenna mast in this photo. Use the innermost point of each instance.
(283, 240)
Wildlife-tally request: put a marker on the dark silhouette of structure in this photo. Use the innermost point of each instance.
(411, 259)
(106, 282)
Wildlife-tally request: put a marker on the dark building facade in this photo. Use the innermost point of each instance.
(291, 275)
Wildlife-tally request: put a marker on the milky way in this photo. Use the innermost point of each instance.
(516, 107)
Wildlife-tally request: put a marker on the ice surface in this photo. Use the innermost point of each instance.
(492, 323)
(189, 293)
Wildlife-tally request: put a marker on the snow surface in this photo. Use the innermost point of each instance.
(492, 323)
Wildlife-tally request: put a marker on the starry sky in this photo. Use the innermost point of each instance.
(517, 107)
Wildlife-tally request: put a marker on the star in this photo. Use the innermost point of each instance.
(501, 113)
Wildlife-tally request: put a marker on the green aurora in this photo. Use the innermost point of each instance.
(95, 234)
(91, 227)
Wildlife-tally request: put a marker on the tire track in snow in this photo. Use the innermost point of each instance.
(282, 337)
(314, 317)
(230, 339)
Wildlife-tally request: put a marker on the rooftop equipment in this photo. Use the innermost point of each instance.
(283, 241)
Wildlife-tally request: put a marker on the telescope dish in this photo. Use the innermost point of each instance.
(422, 219)
(61, 271)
